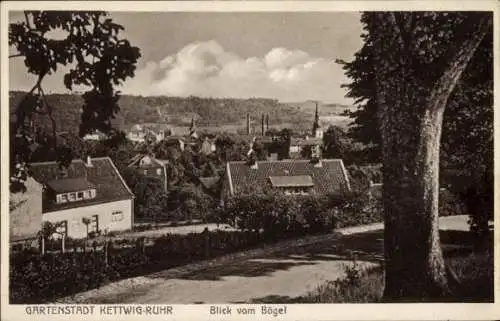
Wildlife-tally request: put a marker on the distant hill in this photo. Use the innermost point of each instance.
(175, 111)
(325, 109)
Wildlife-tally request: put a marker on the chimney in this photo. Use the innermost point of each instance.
(263, 129)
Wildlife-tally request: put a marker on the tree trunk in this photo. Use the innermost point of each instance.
(63, 242)
(43, 245)
(415, 268)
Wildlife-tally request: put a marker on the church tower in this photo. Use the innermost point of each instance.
(317, 131)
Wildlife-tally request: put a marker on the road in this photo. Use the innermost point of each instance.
(288, 274)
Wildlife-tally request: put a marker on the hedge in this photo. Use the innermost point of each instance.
(37, 279)
(261, 219)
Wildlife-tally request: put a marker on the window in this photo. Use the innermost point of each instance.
(158, 171)
(72, 197)
(117, 216)
(62, 198)
(79, 196)
(62, 227)
(145, 172)
(297, 191)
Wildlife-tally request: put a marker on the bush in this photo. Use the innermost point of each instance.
(284, 216)
(359, 286)
(450, 204)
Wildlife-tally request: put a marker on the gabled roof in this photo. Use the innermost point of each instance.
(103, 174)
(70, 185)
(135, 161)
(328, 177)
(292, 181)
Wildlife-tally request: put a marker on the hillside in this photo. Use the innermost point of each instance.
(213, 114)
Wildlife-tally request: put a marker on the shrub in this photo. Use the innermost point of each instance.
(474, 272)
(450, 204)
(359, 286)
(282, 216)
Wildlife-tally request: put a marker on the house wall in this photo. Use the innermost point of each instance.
(76, 229)
(26, 216)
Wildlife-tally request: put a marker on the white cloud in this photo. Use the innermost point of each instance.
(207, 69)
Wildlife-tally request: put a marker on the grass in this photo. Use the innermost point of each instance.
(474, 271)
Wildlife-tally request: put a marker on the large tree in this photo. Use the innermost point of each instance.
(416, 60)
(467, 133)
(89, 44)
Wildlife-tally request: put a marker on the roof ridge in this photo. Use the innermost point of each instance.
(289, 161)
(76, 160)
(120, 176)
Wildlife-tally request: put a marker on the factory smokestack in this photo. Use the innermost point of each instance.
(248, 124)
(263, 128)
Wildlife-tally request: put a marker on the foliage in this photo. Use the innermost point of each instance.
(475, 272)
(467, 136)
(231, 148)
(150, 196)
(335, 143)
(280, 214)
(176, 111)
(99, 58)
(190, 202)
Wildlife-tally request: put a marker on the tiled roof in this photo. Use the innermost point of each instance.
(103, 174)
(329, 178)
(70, 185)
(292, 181)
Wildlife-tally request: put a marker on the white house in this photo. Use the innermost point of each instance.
(25, 213)
(96, 136)
(85, 191)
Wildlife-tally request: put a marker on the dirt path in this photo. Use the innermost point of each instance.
(289, 273)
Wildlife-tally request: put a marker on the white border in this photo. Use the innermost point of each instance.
(455, 311)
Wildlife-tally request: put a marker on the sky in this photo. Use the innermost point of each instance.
(281, 55)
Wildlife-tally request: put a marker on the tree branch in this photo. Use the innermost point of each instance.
(20, 111)
(16, 55)
(446, 83)
(397, 30)
(51, 117)
(27, 20)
